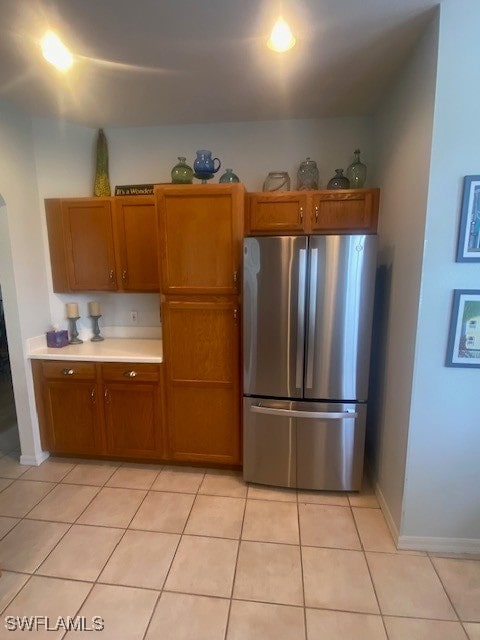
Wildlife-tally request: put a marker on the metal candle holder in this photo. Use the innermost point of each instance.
(73, 331)
(96, 329)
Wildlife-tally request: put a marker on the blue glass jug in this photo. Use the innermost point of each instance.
(205, 164)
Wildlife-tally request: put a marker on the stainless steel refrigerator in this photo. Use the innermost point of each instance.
(307, 321)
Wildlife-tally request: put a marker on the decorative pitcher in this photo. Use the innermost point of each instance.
(204, 163)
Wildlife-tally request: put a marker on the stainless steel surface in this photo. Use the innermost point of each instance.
(339, 348)
(302, 272)
(271, 355)
(312, 310)
(307, 325)
(270, 448)
(296, 413)
(288, 449)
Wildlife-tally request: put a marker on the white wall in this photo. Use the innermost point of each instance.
(64, 157)
(442, 494)
(22, 264)
(403, 132)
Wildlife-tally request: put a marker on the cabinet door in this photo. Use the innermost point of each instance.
(345, 211)
(200, 238)
(276, 213)
(89, 248)
(68, 409)
(137, 243)
(132, 405)
(202, 361)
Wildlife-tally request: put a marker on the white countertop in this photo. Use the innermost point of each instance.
(110, 350)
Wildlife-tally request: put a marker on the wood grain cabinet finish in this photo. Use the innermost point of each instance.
(104, 409)
(132, 406)
(301, 212)
(201, 230)
(68, 406)
(200, 238)
(202, 349)
(103, 244)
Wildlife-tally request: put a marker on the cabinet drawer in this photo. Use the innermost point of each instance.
(134, 371)
(68, 370)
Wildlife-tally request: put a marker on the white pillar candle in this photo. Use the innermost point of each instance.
(72, 310)
(93, 309)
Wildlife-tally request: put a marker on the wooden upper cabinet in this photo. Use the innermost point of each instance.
(137, 244)
(103, 244)
(88, 238)
(276, 212)
(345, 210)
(328, 211)
(201, 228)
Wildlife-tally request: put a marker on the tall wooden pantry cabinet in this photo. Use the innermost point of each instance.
(200, 233)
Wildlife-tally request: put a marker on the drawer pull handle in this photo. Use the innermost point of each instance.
(110, 275)
(301, 214)
(92, 394)
(130, 374)
(124, 275)
(106, 395)
(68, 372)
(316, 213)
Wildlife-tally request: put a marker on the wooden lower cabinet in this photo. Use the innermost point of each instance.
(132, 406)
(109, 409)
(201, 342)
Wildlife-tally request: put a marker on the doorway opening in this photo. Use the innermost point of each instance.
(9, 441)
(9, 438)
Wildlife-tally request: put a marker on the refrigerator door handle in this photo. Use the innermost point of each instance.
(302, 274)
(312, 312)
(295, 413)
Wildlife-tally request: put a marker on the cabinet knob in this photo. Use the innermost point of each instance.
(130, 374)
(92, 394)
(68, 372)
(124, 275)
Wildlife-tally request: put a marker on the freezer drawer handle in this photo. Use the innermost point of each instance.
(293, 413)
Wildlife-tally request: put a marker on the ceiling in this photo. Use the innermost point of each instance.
(149, 62)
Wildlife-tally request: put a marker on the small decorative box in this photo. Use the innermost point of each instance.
(57, 338)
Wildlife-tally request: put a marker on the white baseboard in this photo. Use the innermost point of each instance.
(425, 543)
(34, 460)
(386, 512)
(444, 545)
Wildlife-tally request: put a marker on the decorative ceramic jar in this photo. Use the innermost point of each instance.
(181, 172)
(229, 176)
(357, 172)
(204, 165)
(339, 181)
(277, 181)
(307, 176)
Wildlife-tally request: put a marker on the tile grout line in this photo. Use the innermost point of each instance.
(301, 570)
(161, 591)
(369, 571)
(240, 540)
(444, 589)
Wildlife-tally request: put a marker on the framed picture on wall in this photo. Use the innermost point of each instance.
(469, 237)
(464, 336)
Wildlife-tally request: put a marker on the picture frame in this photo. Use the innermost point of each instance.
(468, 249)
(463, 348)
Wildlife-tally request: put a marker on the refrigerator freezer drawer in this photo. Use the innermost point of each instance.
(308, 445)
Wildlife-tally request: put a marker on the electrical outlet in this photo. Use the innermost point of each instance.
(133, 317)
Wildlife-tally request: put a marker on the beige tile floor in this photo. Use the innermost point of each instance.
(195, 554)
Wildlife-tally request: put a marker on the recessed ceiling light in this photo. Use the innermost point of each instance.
(56, 52)
(281, 39)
